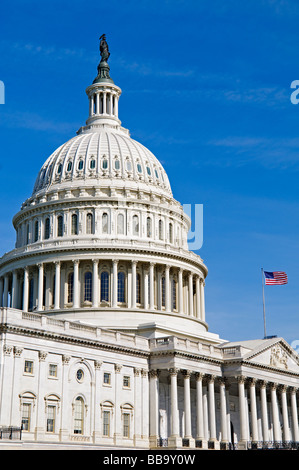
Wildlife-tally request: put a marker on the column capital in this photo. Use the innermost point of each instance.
(66, 359)
(199, 376)
(40, 265)
(98, 364)
(17, 351)
(263, 383)
(154, 373)
(186, 373)
(293, 390)
(137, 372)
(174, 371)
(57, 263)
(273, 386)
(241, 379)
(95, 261)
(42, 355)
(117, 368)
(252, 381)
(75, 261)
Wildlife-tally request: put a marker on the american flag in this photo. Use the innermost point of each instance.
(276, 278)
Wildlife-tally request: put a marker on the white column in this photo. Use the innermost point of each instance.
(95, 282)
(223, 415)
(152, 298)
(97, 103)
(197, 288)
(242, 407)
(199, 408)
(167, 289)
(187, 404)
(116, 106)
(285, 417)
(114, 285)
(174, 418)
(145, 287)
(65, 401)
(14, 290)
(202, 300)
(190, 278)
(294, 414)
(180, 291)
(26, 289)
(275, 417)
(212, 412)
(254, 426)
(76, 301)
(265, 424)
(138, 405)
(134, 264)
(104, 103)
(57, 286)
(40, 287)
(40, 409)
(153, 407)
(97, 399)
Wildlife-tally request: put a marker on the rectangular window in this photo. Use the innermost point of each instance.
(106, 423)
(26, 412)
(126, 381)
(126, 425)
(52, 370)
(28, 367)
(107, 378)
(51, 411)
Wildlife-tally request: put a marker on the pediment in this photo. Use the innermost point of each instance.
(278, 354)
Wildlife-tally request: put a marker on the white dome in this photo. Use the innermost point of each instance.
(102, 154)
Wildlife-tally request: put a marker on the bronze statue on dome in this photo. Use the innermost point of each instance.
(104, 50)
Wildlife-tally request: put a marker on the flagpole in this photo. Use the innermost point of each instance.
(264, 303)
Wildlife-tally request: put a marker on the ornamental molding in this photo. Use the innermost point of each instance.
(74, 340)
(278, 357)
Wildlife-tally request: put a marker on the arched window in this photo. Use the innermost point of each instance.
(88, 287)
(79, 416)
(80, 165)
(148, 227)
(136, 225)
(89, 223)
(92, 164)
(121, 287)
(59, 226)
(170, 233)
(105, 286)
(105, 164)
(69, 166)
(174, 295)
(117, 164)
(36, 230)
(70, 287)
(163, 291)
(105, 223)
(138, 289)
(27, 234)
(47, 228)
(59, 168)
(120, 224)
(74, 224)
(160, 229)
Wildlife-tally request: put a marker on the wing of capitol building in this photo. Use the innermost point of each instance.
(104, 339)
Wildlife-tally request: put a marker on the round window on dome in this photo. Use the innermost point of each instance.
(69, 166)
(139, 168)
(80, 165)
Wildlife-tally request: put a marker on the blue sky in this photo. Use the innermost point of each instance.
(206, 87)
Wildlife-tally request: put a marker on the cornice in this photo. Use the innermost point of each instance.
(257, 365)
(63, 338)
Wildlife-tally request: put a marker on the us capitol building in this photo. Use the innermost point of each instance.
(104, 340)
